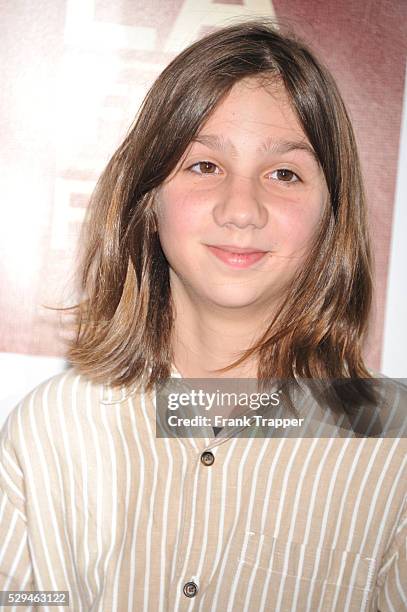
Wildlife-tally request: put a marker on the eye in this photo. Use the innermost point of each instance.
(204, 167)
(285, 175)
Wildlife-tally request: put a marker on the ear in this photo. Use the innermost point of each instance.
(154, 222)
(153, 213)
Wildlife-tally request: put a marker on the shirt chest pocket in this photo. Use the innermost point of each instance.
(285, 575)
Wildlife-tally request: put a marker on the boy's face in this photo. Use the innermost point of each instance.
(237, 217)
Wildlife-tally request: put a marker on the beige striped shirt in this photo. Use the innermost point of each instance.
(92, 502)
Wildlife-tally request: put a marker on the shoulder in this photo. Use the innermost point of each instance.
(59, 405)
(28, 429)
(392, 403)
(53, 427)
(387, 403)
(39, 409)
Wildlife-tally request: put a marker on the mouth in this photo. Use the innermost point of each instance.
(237, 257)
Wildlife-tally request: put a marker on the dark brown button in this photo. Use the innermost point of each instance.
(207, 458)
(190, 589)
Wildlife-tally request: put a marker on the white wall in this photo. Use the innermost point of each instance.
(394, 355)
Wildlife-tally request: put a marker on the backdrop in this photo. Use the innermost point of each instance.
(74, 73)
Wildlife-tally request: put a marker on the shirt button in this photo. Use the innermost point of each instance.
(190, 589)
(207, 458)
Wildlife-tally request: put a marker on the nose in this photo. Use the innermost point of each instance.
(238, 205)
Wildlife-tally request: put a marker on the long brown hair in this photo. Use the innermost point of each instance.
(124, 319)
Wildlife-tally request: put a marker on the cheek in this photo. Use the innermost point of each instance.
(298, 226)
(179, 213)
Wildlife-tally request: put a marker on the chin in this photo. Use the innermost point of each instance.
(233, 299)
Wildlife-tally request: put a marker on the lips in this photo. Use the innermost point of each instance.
(237, 257)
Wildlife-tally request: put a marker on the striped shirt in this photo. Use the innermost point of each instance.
(93, 503)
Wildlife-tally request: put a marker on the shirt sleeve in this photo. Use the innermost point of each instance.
(16, 572)
(392, 577)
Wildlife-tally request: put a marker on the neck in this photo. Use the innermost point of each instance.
(207, 337)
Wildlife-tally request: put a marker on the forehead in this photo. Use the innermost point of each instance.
(258, 108)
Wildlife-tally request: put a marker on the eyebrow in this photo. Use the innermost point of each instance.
(276, 147)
